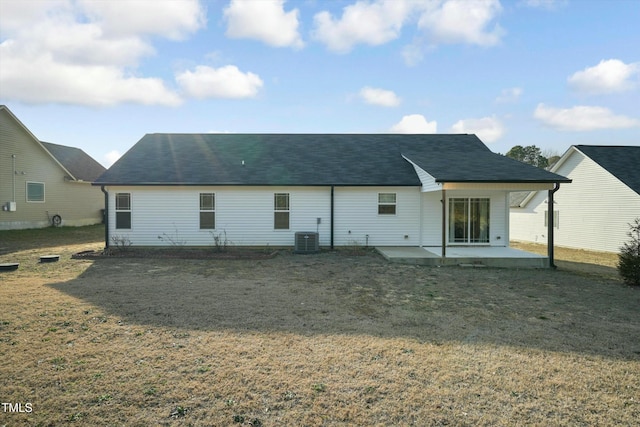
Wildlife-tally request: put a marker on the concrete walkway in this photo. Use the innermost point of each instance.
(465, 256)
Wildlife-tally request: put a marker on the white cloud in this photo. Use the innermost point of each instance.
(362, 22)
(488, 129)
(22, 79)
(582, 118)
(609, 76)
(111, 157)
(544, 4)
(509, 95)
(381, 21)
(171, 19)
(87, 53)
(462, 21)
(381, 97)
(223, 82)
(263, 20)
(415, 123)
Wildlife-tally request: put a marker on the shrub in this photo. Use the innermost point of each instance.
(629, 257)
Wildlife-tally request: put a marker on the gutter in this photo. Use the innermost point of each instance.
(106, 217)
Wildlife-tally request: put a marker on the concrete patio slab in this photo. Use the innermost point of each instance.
(468, 256)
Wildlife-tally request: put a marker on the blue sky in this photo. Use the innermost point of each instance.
(99, 75)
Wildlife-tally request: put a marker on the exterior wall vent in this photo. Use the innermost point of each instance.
(306, 242)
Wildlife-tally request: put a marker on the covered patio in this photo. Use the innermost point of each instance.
(479, 256)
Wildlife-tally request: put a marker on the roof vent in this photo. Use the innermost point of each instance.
(306, 242)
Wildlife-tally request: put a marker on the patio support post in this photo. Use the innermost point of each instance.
(550, 225)
(444, 223)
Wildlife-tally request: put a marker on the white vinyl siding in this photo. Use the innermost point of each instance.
(357, 221)
(594, 209)
(244, 214)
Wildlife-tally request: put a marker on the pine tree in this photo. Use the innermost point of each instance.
(629, 257)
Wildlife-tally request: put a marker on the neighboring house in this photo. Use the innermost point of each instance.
(594, 211)
(44, 184)
(260, 189)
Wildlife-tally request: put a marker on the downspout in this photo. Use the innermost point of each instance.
(106, 217)
(332, 205)
(444, 224)
(550, 226)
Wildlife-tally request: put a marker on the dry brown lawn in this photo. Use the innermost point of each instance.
(319, 340)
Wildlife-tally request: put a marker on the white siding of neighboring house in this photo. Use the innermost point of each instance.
(498, 215)
(594, 209)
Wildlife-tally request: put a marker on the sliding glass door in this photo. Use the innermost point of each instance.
(469, 220)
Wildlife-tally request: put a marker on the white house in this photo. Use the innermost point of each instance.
(593, 212)
(43, 184)
(260, 189)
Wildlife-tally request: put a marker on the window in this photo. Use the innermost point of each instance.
(207, 211)
(386, 203)
(123, 210)
(281, 211)
(556, 219)
(35, 191)
(469, 220)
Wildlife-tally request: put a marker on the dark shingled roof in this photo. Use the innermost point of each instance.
(82, 166)
(623, 162)
(314, 159)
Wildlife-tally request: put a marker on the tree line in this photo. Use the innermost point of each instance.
(532, 155)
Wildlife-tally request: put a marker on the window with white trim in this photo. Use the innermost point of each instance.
(123, 210)
(469, 220)
(35, 192)
(386, 203)
(207, 211)
(281, 210)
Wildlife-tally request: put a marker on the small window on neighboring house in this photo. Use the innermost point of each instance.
(386, 203)
(35, 191)
(207, 211)
(281, 211)
(123, 210)
(556, 219)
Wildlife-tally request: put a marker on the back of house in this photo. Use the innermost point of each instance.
(342, 189)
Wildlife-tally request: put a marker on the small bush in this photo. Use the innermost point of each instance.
(121, 242)
(629, 257)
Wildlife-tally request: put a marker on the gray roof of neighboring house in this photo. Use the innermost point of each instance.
(314, 159)
(623, 162)
(79, 164)
(517, 197)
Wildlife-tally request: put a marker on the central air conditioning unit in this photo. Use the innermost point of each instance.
(306, 242)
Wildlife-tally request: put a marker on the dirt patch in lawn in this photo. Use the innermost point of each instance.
(316, 340)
